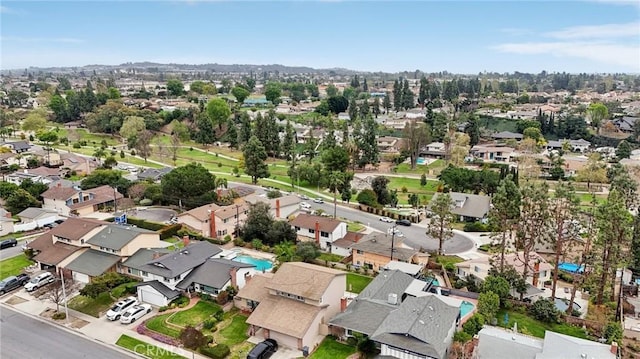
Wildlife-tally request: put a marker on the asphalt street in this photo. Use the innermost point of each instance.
(24, 337)
(11, 251)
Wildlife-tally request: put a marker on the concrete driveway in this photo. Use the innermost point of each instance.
(152, 214)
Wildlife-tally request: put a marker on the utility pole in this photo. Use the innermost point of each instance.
(393, 237)
(64, 294)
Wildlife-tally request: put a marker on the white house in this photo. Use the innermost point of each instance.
(323, 230)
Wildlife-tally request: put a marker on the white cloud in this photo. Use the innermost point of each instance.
(621, 55)
(4, 10)
(597, 31)
(68, 40)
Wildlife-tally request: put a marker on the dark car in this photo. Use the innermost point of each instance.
(403, 222)
(263, 349)
(8, 243)
(23, 279)
(8, 284)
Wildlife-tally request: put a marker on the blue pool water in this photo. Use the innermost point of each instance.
(261, 264)
(421, 161)
(570, 267)
(435, 283)
(466, 308)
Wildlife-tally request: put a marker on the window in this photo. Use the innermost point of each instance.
(176, 278)
(289, 295)
(543, 274)
(225, 220)
(312, 231)
(476, 269)
(166, 279)
(297, 228)
(145, 274)
(324, 234)
(359, 251)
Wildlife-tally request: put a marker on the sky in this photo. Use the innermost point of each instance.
(456, 36)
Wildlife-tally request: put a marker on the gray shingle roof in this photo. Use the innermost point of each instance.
(392, 281)
(116, 236)
(169, 293)
(93, 262)
(473, 205)
(380, 243)
(33, 212)
(174, 263)
(213, 273)
(420, 325)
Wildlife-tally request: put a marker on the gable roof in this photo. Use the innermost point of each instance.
(100, 194)
(19, 145)
(507, 135)
(284, 315)
(308, 221)
(420, 325)
(167, 292)
(93, 262)
(201, 213)
(59, 193)
(214, 272)
(172, 264)
(499, 343)
(55, 253)
(469, 205)
(303, 279)
(115, 236)
(512, 259)
(73, 228)
(380, 243)
(34, 212)
(560, 346)
(348, 240)
(255, 289)
(154, 173)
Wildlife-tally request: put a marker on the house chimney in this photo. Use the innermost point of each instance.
(8, 214)
(185, 240)
(247, 277)
(614, 348)
(317, 233)
(212, 225)
(277, 208)
(343, 304)
(536, 273)
(234, 280)
(156, 255)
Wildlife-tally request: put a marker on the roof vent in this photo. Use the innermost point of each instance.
(583, 356)
(392, 298)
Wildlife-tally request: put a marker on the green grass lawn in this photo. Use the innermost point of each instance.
(356, 283)
(145, 349)
(354, 227)
(14, 265)
(445, 260)
(436, 167)
(236, 331)
(537, 328)
(157, 324)
(195, 315)
(412, 185)
(91, 306)
(331, 349)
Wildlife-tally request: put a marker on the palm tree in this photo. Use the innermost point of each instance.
(336, 179)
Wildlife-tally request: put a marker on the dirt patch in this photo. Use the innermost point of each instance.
(73, 321)
(77, 323)
(48, 313)
(15, 300)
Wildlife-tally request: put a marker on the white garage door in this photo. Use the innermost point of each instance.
(284, 340)
(80, 277)
(149, 295)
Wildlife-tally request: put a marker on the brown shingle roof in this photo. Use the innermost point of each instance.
(201, 213)
(349, 240)
(56, 253)
(284, 315)
(231, 210)
(380, 243)
(101, 194)
(308, 221)
(303, 279)
(59, 193)
(255, 288)
(74, 228)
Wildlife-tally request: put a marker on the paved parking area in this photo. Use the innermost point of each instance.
(159, 215)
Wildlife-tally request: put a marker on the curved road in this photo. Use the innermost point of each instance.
(26, 337)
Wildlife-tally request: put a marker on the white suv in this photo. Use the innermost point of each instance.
(39, 281)
(116, 311)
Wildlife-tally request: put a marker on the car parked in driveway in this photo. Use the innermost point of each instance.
(119, 308)
(38, 281)
(134, 313)
(8, 243)
(263, 349)
(404, 222)
(12, 283)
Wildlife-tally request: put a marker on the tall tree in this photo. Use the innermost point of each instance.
(36, 120)
(597, 113)
(288, 142)
(386, 103)
(439, 226)
(376, 107)
(272, 92)
(416, 136)
(594, 171)
(240, 93)
(335, 180)
(397, 95)
(368, 145)
(205, 133)
(143, 144)
(504, 215)
(254, 160)
(473, 130)
(408, 101)
(218, 111)
(175, 87)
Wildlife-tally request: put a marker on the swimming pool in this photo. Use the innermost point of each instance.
(261, 264)
(421, 161)
(466, 308)
(571, 267)
(563, 304)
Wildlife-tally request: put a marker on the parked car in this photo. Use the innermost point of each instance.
(318, 200)
(386, 219)
(304, 196)
(134, 313)
(38, 281)
(305, 205)
(263, 349)
(10, 283)
(23, 278)
(403, 222)
(11, 242)
(116, 311)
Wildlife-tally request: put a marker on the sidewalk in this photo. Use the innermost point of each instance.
(98, 329)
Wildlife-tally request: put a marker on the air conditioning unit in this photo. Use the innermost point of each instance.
(392, 298)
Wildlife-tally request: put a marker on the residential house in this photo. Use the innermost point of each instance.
(322, 230)
(36, 217)
(388, 144)
(294, 305)
(401, 324)
(216, 275)
(506, 135)
(374, 252)
(469, 207)
(490, 153)
(17, 146)
(68, 201)
(539, 271)
(580, 145)
(6, 222)
(215, 221)
(280, 208)
(343, 246)
(20, 176)
(153, 174)
(625, 124)
(499, 343)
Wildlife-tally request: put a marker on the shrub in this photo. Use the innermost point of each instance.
(473, 325)
(544, 310)
(59, 315)
(170, 231)
(181, 301)
(222, 298)
(367, 197)
(475, 227)
(163, 309)
(613, 332)
(220, 351)
(209, 323)
(145, 202)
(77, 145)
(461, 337)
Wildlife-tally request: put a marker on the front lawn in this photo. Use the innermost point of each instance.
(356, 283)
(157, 324)
(145, 349)
(331, 349)
(91, 306)
(236, 331)
(354, 227)
(531, 326)
(195, 315)
(330, 257)
(14, 265)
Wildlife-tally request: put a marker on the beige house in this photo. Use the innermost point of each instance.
(294, 305)
(214, 221)
(68, 201)
(539, 271)
(374, 252)
(280, 208)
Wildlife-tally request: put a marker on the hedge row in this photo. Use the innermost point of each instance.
(219, 351)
